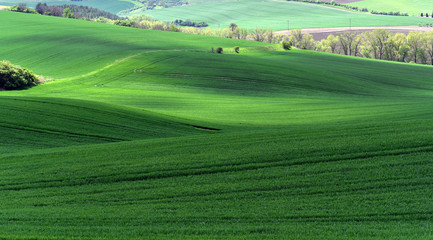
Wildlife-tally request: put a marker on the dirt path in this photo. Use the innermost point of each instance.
(321, 33)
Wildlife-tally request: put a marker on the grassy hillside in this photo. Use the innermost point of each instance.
(80, 42)
(410, 6)
(147, 134)
(38, 123)
(342, 184)
(275, 14)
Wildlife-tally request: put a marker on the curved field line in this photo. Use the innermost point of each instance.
(117, 61)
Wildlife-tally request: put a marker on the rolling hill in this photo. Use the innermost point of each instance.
(264, 13)
(147, 134)
(276, 14)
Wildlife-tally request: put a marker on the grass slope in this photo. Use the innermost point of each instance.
(348, 183)
(38, 123)
(409, 6)
(275, 14)
(310, 145)
(98, 43)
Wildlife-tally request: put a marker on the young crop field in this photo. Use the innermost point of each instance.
(278, 15)
(414, 7)
(147, 134)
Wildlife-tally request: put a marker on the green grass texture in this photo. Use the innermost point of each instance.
(145, 134)
(278, 15)
(409, 6)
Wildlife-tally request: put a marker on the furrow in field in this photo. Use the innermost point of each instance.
(132, 176)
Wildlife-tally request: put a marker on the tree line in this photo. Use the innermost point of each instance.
(232, 31)
(352, 8)
(415, 47)
(189, 23)
(148, 22)
(78, 11)
(69, 11)
(154, 4)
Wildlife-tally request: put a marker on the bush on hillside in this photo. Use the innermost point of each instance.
(125, 23)
(15, 77)
(219, 50)
(236, 49)
(67, 13)
(174, 28)
(287, 45)
(22, 7)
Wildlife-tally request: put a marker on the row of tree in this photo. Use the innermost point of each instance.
(22, 7)
(76, 10)
(233, 31)
(349, 7)
(426, 15)
(154, 4)
(148, 22)
(189, 23)
(56, 11)
(415, 47)
(68, 11)
(140, 21)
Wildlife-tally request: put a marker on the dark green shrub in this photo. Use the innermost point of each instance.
(189, 23)
(15, 77)
(67, 13)
(22, 7)
(237, 49)
(125, 23)
(174, 28)
(287, 45)
(219, 50)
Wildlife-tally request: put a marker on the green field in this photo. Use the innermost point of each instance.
(414, 7)
(261, 13)
(146, 134)
(276, 14)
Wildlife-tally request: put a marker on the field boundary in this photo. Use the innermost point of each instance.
(322, 33)
(323, 5)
